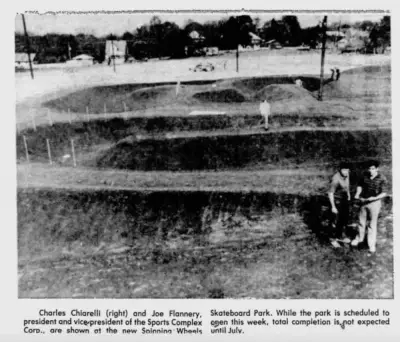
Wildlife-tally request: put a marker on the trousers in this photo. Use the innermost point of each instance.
(368, 221)
(340, 220)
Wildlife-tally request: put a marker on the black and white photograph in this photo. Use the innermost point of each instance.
(204, 155)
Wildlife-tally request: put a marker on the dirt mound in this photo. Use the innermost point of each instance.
(151, 93)
(365, 82)
(223, 152)
(88, 217)
(353, 86)
(283, 92)
(225, 95)
(255, 84)
(384, 69)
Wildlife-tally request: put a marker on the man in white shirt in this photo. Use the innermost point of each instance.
(265, 110)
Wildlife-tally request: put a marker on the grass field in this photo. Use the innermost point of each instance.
(244, 212)
(177, 245)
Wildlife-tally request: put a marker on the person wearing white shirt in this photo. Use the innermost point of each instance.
(265, 110)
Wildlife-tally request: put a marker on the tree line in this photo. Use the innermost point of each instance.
(167, 39)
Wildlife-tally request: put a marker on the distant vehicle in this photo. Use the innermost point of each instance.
(131, 59)
(276, 46)
(350, 49)
(304, 48)
(81, 60)
(204, 67)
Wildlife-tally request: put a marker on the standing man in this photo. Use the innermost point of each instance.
(333, 74)
(265, 109)
(370, 192)
(339, 198)
(337, 74)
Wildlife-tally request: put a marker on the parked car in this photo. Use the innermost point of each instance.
(204, 67)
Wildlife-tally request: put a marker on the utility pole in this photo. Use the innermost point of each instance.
(69, 51)
(340, 24)
(28, 48)
(237, 58)
(113, 53)
(321, 86)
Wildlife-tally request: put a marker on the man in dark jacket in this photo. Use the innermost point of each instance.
(370, 191)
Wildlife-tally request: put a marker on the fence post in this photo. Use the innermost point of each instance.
(73, 152)
(69, 116)
(87, 113)
(26, 149)
(49, 151)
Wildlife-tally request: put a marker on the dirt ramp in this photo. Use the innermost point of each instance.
(384, 69)
(255, 84)
(225, 96)
(87, 135)
(62, 221)
(52, 221)
(286, 92)
(237, 151)
(369, 82)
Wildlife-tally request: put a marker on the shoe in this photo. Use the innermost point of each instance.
(335, 244)
(346, 240)
(354, 243)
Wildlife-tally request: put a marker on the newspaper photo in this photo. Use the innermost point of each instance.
(243, 159)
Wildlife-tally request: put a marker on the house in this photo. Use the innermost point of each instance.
(354, 41)
(196, 46)
(351, 45)
(335, 35)
(255, 40)
(196, 37)
(116, 49)
(211, 51)
(273, 44)
(22, 60)
(81, 60)
(333, 38)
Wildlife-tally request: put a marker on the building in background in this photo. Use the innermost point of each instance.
(116, 50)
(81, 60)
(22, 60)
(255, 40)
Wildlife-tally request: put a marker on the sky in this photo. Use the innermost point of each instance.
(102, 24)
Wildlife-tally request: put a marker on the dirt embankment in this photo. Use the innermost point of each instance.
(56, 221)
(89, 134)
(119, 98)
(54, 218)
(222, 152)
